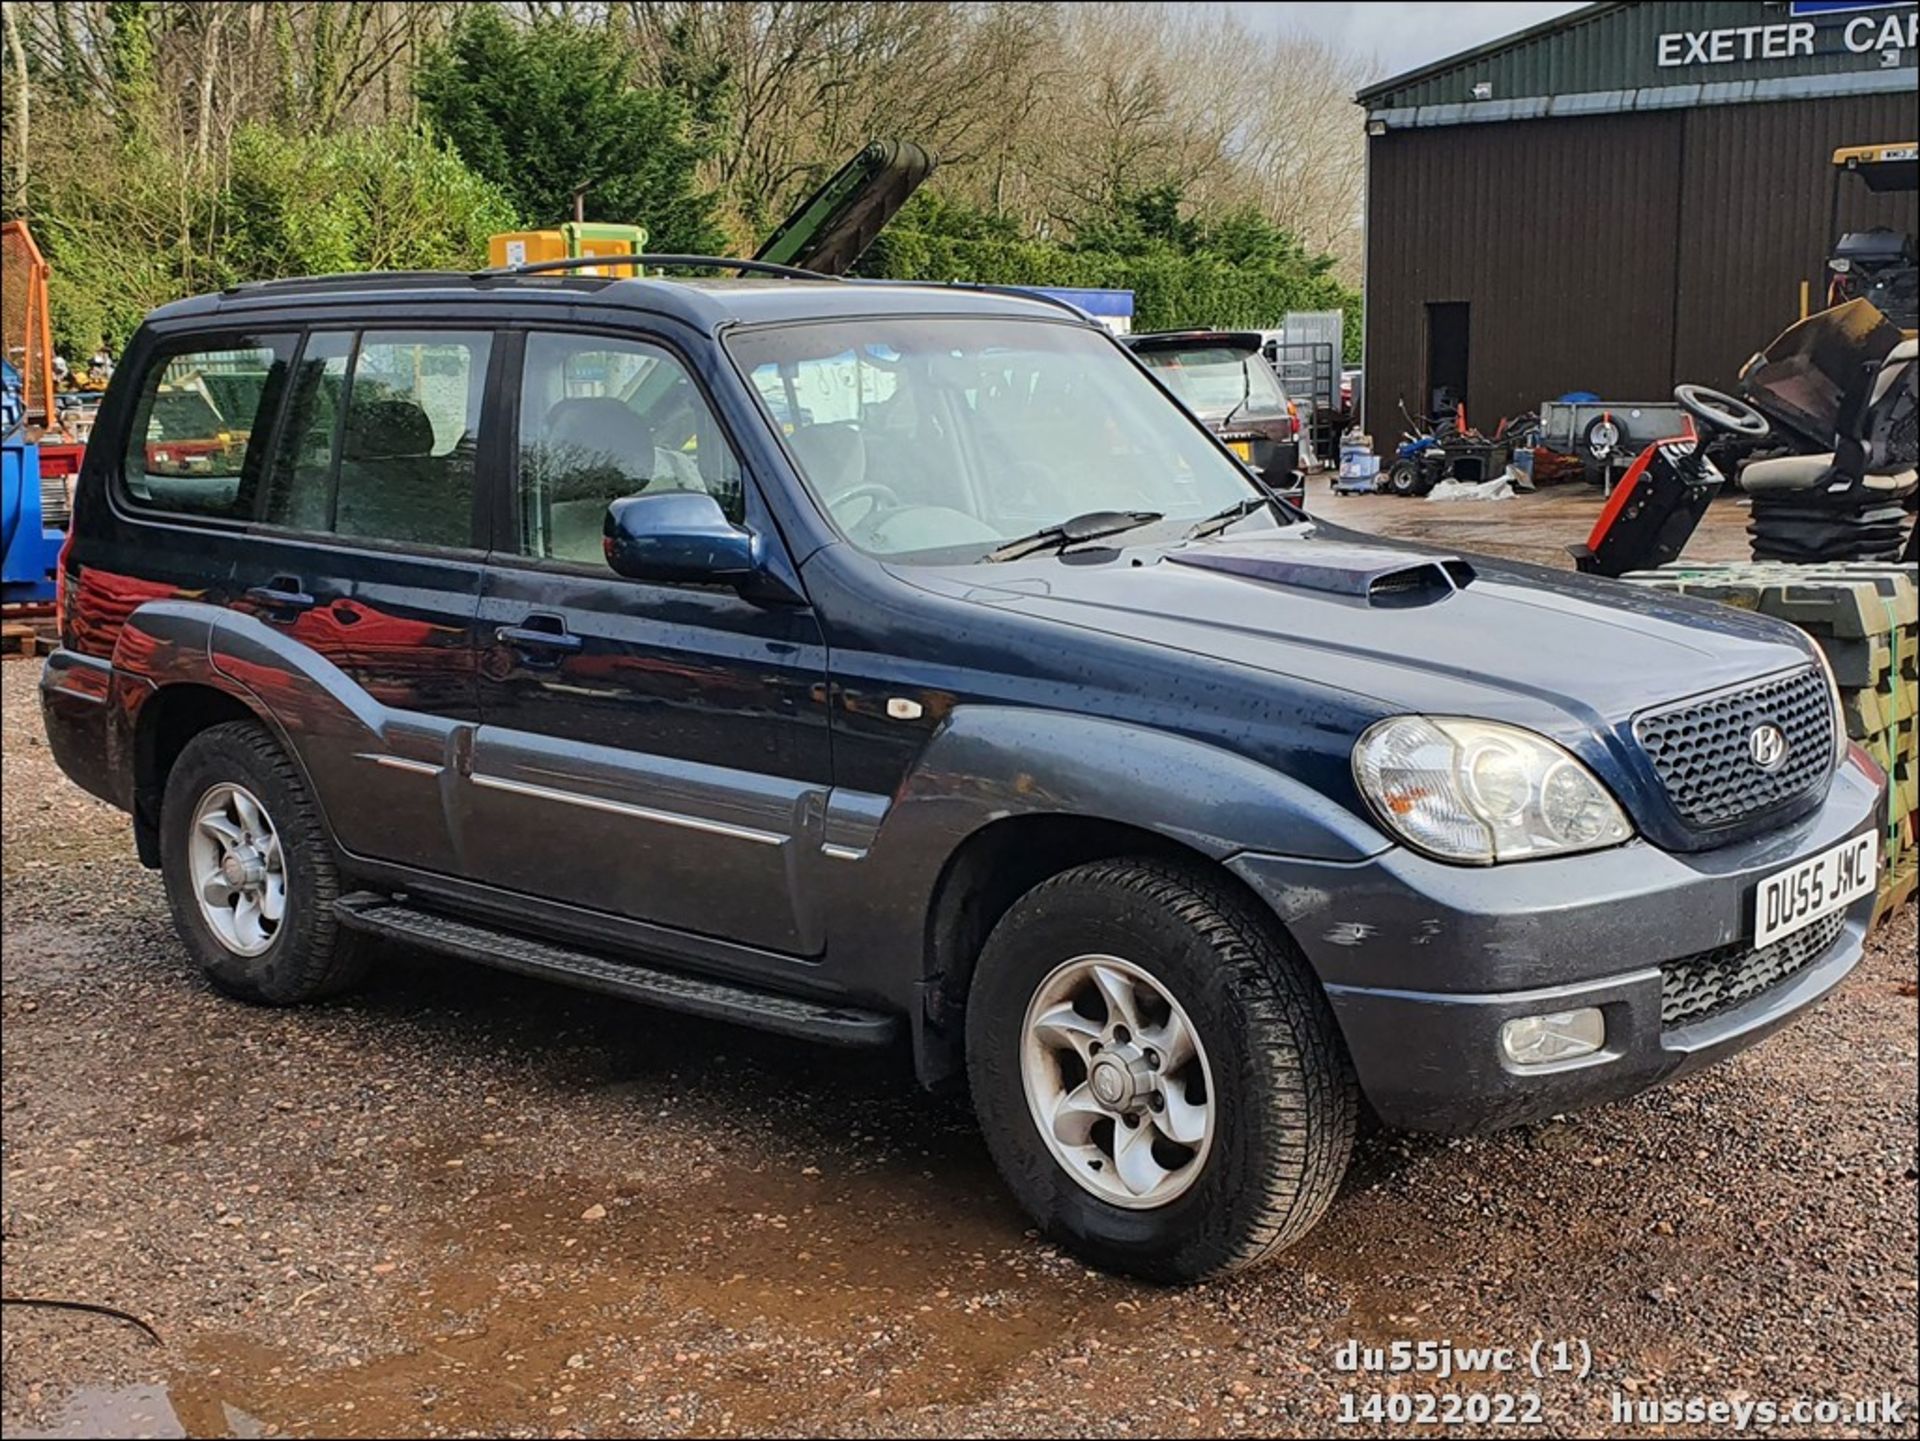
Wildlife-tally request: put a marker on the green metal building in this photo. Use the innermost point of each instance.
(1626, 197)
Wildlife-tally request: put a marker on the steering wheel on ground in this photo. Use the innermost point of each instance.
(880, 499)
(1716, 410)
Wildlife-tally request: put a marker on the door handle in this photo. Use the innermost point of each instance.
(281, 593)
(522, 638)
(541, 632)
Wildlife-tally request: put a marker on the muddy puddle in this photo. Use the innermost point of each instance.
(748, 1300)
(114, 1412)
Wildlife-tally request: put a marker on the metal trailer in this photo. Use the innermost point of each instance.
(1317, 327)
(1605, 435)
(1308, 352)
(1310, 371)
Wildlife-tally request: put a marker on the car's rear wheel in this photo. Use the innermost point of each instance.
(250, 873)
(1157, 1073)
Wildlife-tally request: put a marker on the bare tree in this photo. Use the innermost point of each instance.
(22, 88)
(1041, 114)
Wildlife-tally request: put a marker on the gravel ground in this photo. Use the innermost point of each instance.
(465, 1203)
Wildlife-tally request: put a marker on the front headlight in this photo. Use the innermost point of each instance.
(1479, 791)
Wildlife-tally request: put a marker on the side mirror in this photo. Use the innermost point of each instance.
(679, 536)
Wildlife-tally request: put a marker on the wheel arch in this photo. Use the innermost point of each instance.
(172, 684)
(992, 869)
(1003, 797)
(167, 722)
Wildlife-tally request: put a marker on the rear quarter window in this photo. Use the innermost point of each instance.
(199, 422)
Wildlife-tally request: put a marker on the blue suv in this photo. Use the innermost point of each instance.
(885, 664)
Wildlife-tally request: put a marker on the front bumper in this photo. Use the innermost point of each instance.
(1423, 962)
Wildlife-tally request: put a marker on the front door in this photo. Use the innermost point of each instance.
(654, 752)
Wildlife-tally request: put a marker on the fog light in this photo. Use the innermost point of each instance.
(1556, 1036)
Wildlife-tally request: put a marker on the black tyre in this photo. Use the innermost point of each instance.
(1167, 1158)
(1601, 438)
(250, 873)
(1404, 478)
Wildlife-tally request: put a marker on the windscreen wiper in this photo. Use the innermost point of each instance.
(1094, 525)
(1246, 393)
(1220, 520)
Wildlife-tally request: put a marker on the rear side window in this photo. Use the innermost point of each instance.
(381, 435)
(192, 448)
(411, 433)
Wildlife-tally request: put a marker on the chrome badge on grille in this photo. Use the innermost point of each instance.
(1768, 747)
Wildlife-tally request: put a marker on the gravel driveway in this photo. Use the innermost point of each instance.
(463, 1202)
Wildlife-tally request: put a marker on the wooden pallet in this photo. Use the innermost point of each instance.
(1897, 888)
(24, 638)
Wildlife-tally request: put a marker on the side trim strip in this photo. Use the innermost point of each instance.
(843, 853)
(622, 808)
(401, 763)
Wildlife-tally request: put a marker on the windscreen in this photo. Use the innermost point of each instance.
(1217, 381)
(938, 439)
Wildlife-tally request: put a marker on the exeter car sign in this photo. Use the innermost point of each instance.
(1888, 34)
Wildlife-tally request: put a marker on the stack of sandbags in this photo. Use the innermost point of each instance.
(1866, 618)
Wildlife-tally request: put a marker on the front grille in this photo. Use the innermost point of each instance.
(1695, 987)
(1701, 749)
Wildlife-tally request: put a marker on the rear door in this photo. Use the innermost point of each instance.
(367, 553)
(655, 752)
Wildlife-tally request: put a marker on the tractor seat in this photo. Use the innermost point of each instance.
(1808, 472)
(1787, 473)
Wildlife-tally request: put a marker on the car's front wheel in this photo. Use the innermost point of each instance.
(1158, 1075)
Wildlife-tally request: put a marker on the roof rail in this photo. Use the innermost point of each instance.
(348, 279)
(676, 262)
(1020, 292)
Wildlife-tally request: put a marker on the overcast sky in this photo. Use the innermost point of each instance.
(1401, 37)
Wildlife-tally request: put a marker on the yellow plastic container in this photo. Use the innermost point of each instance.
(523, 247)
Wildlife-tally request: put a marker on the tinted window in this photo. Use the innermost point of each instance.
(300, 490)
(196, 422)
(409, 436)
(601, 419)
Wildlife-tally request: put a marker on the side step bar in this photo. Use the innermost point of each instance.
(718, 1000)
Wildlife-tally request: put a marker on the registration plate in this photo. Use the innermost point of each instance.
(1816, 887)
(1241, 448)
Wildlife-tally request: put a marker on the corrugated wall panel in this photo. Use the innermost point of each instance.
(1560, 234)
(1617, 253)
(1617, 48)
(1756, 198)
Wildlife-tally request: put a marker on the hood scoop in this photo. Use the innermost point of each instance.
(1382, 578)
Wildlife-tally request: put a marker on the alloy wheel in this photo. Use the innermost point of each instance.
(1117, 1081)
(238, 869)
